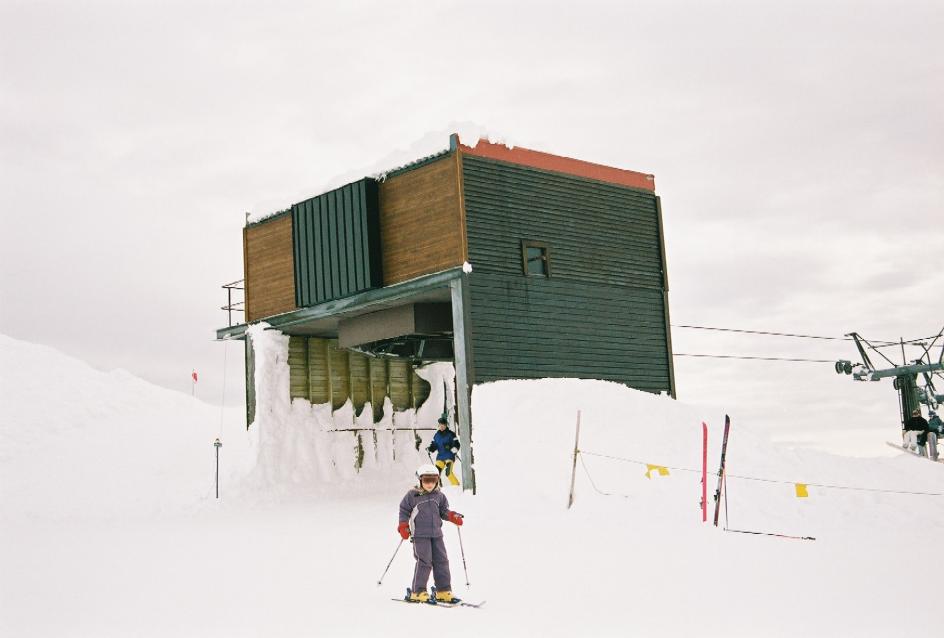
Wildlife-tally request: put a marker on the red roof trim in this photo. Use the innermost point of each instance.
(560, 164)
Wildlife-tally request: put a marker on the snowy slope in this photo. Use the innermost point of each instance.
(80, 442)
(106, 520)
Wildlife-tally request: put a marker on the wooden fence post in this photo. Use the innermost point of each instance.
(573, 474)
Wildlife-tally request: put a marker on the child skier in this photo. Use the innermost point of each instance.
(445, 444)
(422, 512)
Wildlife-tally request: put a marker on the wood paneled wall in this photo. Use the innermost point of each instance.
(269, 268)
(422, 229)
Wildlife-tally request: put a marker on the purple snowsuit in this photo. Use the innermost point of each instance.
(425, 512)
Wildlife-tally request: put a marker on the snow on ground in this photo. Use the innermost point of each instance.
(108, 526)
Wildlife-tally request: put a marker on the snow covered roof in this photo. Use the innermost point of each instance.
(475, 141)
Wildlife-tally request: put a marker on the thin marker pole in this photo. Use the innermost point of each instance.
(217, 444)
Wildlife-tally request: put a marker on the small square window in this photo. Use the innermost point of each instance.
(535, 259)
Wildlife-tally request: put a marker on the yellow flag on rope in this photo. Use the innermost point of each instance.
(801, 490)
(663, 471)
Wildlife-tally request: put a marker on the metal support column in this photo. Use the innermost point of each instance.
(464, 378)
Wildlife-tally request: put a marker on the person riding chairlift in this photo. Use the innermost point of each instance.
(916, 433)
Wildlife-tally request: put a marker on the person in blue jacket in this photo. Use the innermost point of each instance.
(445, 444)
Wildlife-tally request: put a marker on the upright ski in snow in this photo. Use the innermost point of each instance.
(704, 472)
(724, 450)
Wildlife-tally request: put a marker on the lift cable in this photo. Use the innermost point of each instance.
(883, 344)
(921, 342)
(927, 348)
(733, 356)
(762, 332)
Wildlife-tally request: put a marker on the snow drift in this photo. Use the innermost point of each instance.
(79, 442)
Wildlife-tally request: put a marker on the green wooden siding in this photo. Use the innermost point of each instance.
(601, 313)
(336, 242)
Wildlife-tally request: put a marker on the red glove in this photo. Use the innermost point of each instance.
(404, 529)
(454, 517)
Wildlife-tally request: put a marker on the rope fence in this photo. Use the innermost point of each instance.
(594, 485)
(855, 488)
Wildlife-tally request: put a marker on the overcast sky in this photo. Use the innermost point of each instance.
(798, 149)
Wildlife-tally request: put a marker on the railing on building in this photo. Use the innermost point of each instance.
(231, 307)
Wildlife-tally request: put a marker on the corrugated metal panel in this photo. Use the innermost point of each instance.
(601, 313)
(336, 239)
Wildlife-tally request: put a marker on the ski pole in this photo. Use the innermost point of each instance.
(462, 550)
(433, 463)
(390, 563)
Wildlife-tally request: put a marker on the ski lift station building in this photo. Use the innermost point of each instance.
(508, 262)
